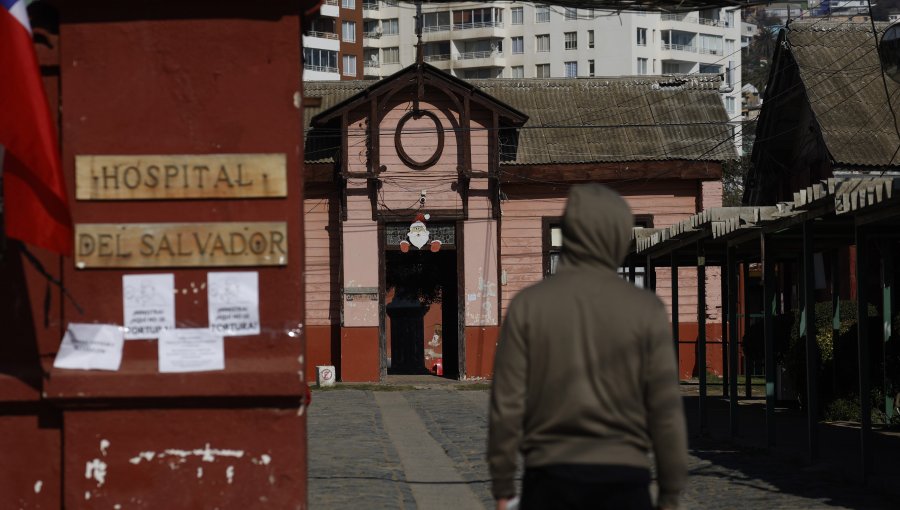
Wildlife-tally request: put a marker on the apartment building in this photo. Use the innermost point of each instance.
(523, 40)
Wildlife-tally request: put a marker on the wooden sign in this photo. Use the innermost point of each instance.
(108, 245)
(180, 176)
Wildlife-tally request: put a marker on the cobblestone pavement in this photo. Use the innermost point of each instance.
(353, 464)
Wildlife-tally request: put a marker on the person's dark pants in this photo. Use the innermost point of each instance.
(570, 487)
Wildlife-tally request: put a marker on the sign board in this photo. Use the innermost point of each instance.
(190, 350)
(148, 301)
(233, 303)
(110, 245)
(90, 347)
(150, 177)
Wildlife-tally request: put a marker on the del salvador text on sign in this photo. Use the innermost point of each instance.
(181, 244)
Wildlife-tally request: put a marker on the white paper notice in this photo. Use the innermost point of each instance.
(90, 347)
(190, 350)
(149, 304)
(233, 303)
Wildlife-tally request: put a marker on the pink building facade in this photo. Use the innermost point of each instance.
(431, 201)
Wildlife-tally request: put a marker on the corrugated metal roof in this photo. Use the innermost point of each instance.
(839, 66)
(586, 120)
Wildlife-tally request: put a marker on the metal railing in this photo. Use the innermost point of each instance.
(322, 35)
(711, 51)
(711, 22)
(333, 2)
(478, 54)
(370, 6)
(684, 18)
(371, 35)
(436, 58)
(324, 69)
(372, 63)
(480, 24)
(679, 47)
(436, 28)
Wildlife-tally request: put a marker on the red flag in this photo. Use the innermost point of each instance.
(35, 208)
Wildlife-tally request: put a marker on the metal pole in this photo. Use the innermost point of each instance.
(862, 345)
(701, 334)
(770, 304)
(675, 311)
(808, 335)
(733, 339)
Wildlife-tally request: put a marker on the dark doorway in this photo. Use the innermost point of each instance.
(421, 313)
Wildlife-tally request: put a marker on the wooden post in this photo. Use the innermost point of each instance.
(701, 334)
(675, 318)
(862, 345)
(748, 380)
(835, 317)
(726, 322)
(770, 306)
(887, 314)
(732, 271)
(808, 335)
(650, 274)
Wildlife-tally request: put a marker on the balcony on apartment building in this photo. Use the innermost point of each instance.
(694, 22)
(321, 33)
(472, 59)
(330, 8)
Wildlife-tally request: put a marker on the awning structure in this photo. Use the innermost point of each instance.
(647, 5)
(782, 240)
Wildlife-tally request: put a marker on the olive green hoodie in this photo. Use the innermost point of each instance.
(585, 368)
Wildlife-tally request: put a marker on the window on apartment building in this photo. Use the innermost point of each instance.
(670, 68)
(482, 73)
(541, 14)
(729, 47)
(517, 72)
(729, 18)
(571, 40)
(571, 69)
(590, 68)
(435, 21)
(641, 36)
(390, 55)
(317, 59)
(348, 4)
(590, 38)
(348, 31)
(641, 66)
(518, 45)
(371, 28)
(542, 42)
(542, 71)
(710, 44)
(571, 13)
(710, 69)
(729, 73)
(730, 104)
(390, 26)
(349, 64)
(487, 16)
(371, 57)
(518, 16)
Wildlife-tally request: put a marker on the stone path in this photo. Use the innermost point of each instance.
(360, 445)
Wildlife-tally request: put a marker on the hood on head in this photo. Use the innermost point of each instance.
(596, 227)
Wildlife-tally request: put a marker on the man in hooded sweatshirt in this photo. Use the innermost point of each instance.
(585, 380)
